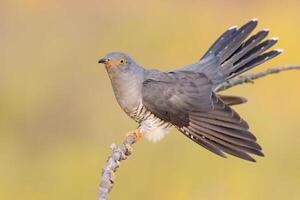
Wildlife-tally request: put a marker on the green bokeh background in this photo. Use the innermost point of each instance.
(58, 114)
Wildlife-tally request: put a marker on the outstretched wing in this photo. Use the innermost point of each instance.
(222, 130)
(172, 95)
(186, 100)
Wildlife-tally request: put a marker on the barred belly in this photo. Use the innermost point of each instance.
(153, 128)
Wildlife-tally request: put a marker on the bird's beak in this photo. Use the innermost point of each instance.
(102, 60)
(107, 62)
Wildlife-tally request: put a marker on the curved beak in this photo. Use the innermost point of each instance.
(102, 60)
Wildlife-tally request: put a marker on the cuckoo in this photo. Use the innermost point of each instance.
(186, 98)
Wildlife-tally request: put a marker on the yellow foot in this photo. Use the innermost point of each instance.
(136, 134)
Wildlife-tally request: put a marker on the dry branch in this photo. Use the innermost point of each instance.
(250, 77)
(121, 152)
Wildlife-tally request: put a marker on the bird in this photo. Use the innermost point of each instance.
(186, 97)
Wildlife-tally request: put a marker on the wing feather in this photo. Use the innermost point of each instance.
(228, 132)
(186, 100)
(171, 96)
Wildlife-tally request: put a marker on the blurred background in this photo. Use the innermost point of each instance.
(58, 114)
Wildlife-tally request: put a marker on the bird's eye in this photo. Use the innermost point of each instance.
(122, 61)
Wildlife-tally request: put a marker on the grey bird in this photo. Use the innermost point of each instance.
(185, 98)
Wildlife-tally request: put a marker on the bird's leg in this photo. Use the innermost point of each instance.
(136, 134)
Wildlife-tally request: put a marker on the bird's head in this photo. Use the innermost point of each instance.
(116, 61)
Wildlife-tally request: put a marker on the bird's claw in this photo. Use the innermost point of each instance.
(136, 134)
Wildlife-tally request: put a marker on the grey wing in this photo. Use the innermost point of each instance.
(222, 130)
(186, 100)
(171, 96)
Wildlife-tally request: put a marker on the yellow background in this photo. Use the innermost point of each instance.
(58, 114)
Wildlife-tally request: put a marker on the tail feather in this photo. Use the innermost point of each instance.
(221, 41)
(235, 42)
(233, 54)
(252, 54)
(232, 100)
(257, 61)
(249, 44)
(246, 47)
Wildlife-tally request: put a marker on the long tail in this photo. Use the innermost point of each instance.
(235, 55)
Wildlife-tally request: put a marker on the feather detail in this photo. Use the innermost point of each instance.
(227, 133)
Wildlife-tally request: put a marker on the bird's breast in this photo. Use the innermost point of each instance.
(128, 93)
